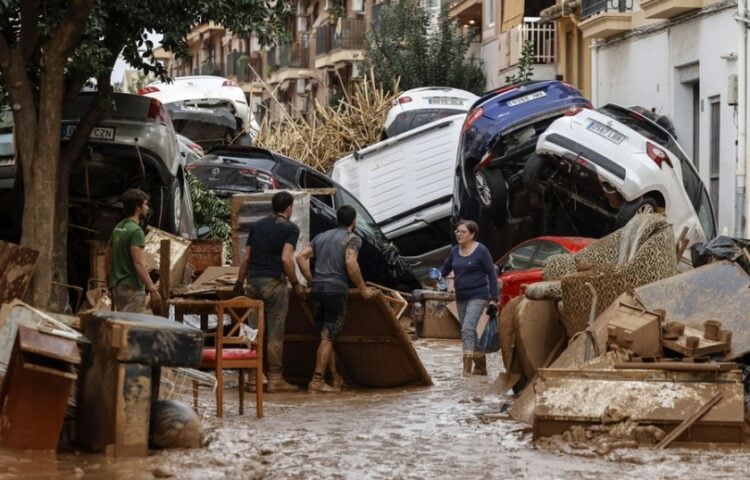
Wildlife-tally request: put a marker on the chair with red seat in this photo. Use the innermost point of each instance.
(239, 355)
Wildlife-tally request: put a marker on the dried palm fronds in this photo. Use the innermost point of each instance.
(333, 132)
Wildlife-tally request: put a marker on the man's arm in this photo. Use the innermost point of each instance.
(240, 283)
(139, 264)
(352, 268)
(303, 262)
(287, 263)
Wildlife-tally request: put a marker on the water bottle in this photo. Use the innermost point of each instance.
(437, 277)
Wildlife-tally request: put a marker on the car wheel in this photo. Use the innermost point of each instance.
(172, 207)
(645, 204)
(532, 173)
(491, 188)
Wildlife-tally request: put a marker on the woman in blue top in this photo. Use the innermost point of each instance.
(475, 281)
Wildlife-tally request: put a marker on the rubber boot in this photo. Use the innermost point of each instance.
(480, 364)
(337, 381)
(276, 384)
(318, 385)
(468, 357)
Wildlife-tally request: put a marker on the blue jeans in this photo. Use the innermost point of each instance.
(469, 313)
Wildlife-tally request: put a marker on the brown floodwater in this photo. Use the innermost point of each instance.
(450, 430)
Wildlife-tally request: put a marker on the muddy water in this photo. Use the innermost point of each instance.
(450, 430)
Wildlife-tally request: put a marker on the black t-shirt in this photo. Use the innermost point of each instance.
(266, 240)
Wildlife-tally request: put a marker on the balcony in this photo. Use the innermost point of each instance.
(375, 14)
(467, 12)
(605, 18)
(542, 36)
(339, 43)
(294, 55)
(663, 9)
(239, 66)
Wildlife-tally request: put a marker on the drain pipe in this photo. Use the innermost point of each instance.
(740, 207)
(595, 72)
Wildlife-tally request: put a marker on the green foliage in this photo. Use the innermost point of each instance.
(525, 64)
(209, 209)
(401, 46)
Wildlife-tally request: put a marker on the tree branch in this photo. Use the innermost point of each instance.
(29, 28)
(69, 30)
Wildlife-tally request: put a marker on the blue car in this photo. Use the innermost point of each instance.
(499, 134)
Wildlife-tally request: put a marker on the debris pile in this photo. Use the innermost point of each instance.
(662, 363)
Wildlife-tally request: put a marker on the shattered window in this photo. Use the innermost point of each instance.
(520, 258)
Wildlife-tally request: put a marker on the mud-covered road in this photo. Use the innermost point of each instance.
(450, 430)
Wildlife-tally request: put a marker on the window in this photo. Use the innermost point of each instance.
(490, 13)
(714, 151)
(312, 181)
(519, 258)
(546, 249)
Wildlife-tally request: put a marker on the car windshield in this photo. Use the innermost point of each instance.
(416, 118)
(365, 222)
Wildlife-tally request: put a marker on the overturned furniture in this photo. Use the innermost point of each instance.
(120, 377)
(372, 350)
(579, 287)
(35, 390)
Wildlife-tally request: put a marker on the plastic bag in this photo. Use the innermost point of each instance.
(489, 342)
(721, 248)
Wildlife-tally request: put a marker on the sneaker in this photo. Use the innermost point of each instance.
(318, 385)
(276, 384)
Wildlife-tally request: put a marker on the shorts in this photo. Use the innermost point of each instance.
(128, 299)
(330, 312)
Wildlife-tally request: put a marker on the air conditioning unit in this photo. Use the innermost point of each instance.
(301, 84)
(301, 24)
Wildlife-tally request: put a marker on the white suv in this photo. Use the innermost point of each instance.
(613, 162)
(420, 106)
(196, 95)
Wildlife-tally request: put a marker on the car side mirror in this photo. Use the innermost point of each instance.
(203, 231)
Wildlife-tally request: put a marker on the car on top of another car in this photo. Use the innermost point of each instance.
(420, 106)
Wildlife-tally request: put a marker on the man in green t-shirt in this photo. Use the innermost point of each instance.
(126, 268)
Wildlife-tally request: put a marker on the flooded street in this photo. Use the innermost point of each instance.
(450, 430)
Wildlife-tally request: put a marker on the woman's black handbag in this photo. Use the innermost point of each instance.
(489, 342)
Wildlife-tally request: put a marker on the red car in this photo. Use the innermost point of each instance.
(524, 264)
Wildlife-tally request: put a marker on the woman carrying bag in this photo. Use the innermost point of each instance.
(475, 282)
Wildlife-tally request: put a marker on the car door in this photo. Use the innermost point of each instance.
(514, 270)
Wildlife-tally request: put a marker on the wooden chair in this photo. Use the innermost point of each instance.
(239, 356)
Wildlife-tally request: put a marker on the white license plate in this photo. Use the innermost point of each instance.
(604, 131)
(97, 133)
(526, 98)
(445, 101)
(6, 162)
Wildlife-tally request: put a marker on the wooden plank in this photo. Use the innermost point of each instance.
(688, 422)
(17, 266)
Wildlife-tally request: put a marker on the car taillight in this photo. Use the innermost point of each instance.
(229, 83)
(658, 155)
(248, 172)
(157, 113)
(147, 90)
(404, 99)
(473, 117)
(486, 159)
(572, 111)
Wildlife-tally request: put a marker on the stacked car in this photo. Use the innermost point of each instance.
(537, 159)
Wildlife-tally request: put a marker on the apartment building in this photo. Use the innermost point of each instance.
(679, 58)
(502, 27)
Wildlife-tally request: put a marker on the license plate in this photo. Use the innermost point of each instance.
(526, 98)
(445, 101)
(604, 131)
(97, 133)
(6, 162)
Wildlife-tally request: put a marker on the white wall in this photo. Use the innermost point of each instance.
(645, 71)
(491, 59)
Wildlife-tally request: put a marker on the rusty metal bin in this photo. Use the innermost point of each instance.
(35, 390)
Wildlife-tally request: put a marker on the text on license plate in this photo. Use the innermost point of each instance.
(526, 98)
(445, 101)
(98, 133)
(604, 131)
(6, 162)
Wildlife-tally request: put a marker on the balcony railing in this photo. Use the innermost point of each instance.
(238, 65)
(348, 34)
(211, 68)
(542, 36)
(591, 7)
(271, 60)
(294, 55)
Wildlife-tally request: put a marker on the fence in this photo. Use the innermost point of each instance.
(542, 36)
(591, 7)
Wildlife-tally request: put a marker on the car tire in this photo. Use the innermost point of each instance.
(532, 174)
(490, 188)
(172, 205)
(645, 204)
